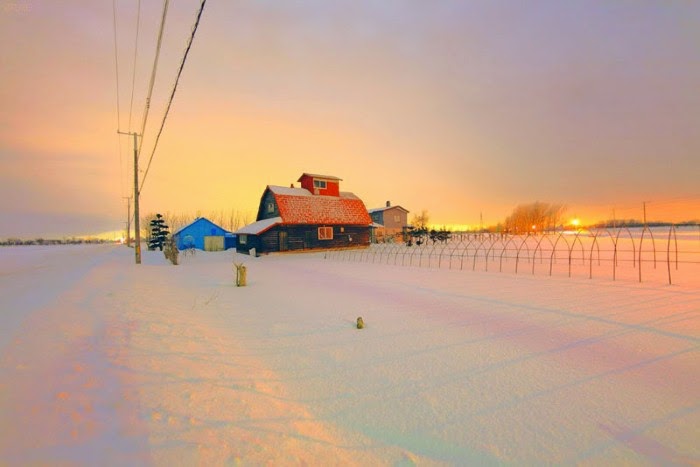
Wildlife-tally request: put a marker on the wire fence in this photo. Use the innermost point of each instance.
(663, 254)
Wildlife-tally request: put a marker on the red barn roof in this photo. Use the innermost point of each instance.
(299, 206)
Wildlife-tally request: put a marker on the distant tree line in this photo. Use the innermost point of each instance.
(53, 241)
(617, 223)
(418, 232)
(422, 235)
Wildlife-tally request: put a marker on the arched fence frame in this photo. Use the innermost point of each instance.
(587, 251)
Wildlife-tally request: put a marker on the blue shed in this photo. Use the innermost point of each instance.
(203, 234)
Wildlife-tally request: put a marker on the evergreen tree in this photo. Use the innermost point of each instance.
(159, 233)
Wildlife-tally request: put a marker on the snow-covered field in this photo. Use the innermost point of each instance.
(103, 362)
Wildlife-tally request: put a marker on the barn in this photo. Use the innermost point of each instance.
(316, 215)
(203, 234)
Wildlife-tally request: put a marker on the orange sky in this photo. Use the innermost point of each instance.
(464, 109)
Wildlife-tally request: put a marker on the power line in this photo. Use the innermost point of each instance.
(153, 72)
(172, 94)
(137, 146)
(136, 48)
(116, 58)
(116, 69)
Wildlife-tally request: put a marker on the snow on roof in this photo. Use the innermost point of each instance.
(259, 227)
(291, 191)
(348, 195)
(384, 208)
(283, 190)
(298, 206)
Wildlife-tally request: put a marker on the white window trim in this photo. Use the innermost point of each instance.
(323, 233)
(321, 184)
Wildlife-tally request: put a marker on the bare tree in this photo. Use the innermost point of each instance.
(420, 221)
(534, 217)
(145, 230)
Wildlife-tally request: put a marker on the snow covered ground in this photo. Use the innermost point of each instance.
(103, 362)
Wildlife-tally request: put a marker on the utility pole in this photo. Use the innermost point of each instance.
(137, 226)
(644, 206)
(128, 220)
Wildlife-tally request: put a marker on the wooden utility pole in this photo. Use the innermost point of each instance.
(128, 220)
(137, 226)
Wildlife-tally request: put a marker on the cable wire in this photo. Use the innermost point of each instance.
(172, 94)
(136, 48)
(116, 69)
(153, 74)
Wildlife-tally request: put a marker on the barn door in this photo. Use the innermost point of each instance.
(284, 241)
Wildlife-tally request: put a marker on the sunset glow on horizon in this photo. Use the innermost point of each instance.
(462, 109)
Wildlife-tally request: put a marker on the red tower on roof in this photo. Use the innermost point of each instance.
(326, 185)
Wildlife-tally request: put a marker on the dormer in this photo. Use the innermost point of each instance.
(326, 185)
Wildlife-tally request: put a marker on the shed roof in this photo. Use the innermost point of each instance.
(197, 220)
(386, 208)
(299, 206)
(256, 228)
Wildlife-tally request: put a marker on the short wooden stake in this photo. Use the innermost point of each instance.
(240, 274)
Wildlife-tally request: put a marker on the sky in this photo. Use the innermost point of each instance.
(462, 109)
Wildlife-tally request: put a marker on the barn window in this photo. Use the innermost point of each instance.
(270, 207)
(397, 218)
(242, 239)
(320, 184)
(325, 233)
